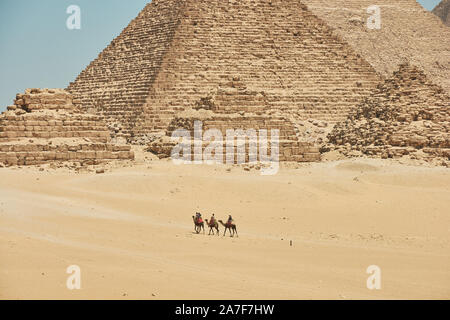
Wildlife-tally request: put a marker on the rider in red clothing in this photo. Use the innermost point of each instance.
(198, 217)
(213, 220)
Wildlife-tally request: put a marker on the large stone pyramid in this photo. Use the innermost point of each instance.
(408, 33)
(255, 58)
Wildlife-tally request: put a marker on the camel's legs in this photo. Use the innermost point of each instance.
(235, 230)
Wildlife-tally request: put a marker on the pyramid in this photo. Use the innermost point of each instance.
(409, 33)
(407, 115)
(442, 10)
(257, 58)
(44, 126)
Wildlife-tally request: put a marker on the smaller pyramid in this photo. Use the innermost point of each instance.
(407, 115)
(44, 126)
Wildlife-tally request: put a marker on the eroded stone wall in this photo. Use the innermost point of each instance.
(44, 126)
(289, 147)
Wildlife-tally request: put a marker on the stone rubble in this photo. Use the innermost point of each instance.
(406, 116)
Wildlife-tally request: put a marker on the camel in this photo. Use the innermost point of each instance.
(198, 225)
(229, 226)
(212, 225)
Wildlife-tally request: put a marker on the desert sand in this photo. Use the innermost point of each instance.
(130, 231)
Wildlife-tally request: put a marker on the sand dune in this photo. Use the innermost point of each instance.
(130, 230)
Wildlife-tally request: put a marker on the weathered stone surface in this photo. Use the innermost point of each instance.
(290, 149)
(442, 10)
(408, 33)
(268, 54)
(407, 115)
(45, 133)
(255, 63)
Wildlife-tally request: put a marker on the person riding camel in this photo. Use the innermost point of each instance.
(213, 220)
(230, 220)
(198, 217)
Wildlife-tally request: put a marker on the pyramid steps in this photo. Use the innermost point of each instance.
(408, 33)
(177, 52)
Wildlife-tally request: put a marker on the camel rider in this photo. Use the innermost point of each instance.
(199, 217)
(213, 219)
(230, 220)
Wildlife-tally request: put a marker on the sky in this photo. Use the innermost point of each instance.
(37, 50)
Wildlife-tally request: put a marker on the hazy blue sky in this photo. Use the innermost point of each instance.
(38, 51)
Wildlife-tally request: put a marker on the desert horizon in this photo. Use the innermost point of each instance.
(130, 231)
